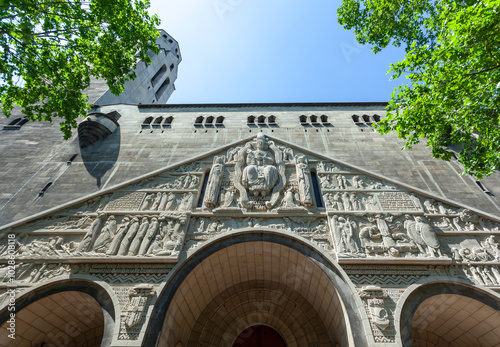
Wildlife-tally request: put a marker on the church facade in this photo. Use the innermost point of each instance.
(242, 225)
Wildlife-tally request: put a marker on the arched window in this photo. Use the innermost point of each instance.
(168, 121)
(16, 124)
(219, 121)
(271, 120)
(251, 120)
(147, 122)
(157, 121)
(261, 120)
(199, 121)
(367, 119)
(15, 121)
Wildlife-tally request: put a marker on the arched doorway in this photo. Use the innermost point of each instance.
(450, 320)
(244, 280)
(448, 313)
(259, 336)
(69, 318)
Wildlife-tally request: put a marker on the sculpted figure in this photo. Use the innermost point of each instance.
(348, 235)
(304, 180)
(259, 172)
(214, 182)
(288, 200)
(324, 181)
(163, 201)
(147, 203)
(91, 236)
(150, 234)
(156, 203)
(430, 207)
(355, 202)
(170, 202)
(357, 182)
(118, 237)
(127, 239)
(260, 175)
(228, 198)
(169, 243)
(231, 154)
(338, 201)
(366, 234)
(429, 237)
(346, 201)
(340, 181)
(492, 247)
(136, 243)
(413, 234)
(186, 202)
(107, 233)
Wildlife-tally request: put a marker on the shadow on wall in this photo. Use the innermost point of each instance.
(100, 157)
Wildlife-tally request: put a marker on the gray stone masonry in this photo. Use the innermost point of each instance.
(36, 154)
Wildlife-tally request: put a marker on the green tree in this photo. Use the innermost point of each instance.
(452, 62)
(49, 50)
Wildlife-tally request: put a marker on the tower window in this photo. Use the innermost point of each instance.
(171, 67)
(162, 88)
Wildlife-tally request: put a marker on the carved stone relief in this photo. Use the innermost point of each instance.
(204, 228)
(380, 307)
(214, 182)
(133, 318)
(376, 235)
(125, 274)
(259, 172)
(139, 235)
(304, 180)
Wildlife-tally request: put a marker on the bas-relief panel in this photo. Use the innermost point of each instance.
(261, 185)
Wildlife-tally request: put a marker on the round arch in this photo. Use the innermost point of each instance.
(446, 311)
(251, 277)
(71, 308)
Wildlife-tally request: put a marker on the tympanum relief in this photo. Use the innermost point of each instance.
(262, 184)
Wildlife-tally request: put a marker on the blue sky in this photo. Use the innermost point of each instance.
(271, 51)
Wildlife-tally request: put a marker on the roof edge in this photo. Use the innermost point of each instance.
(278, 104)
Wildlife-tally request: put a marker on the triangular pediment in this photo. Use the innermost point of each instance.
(260, 182)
